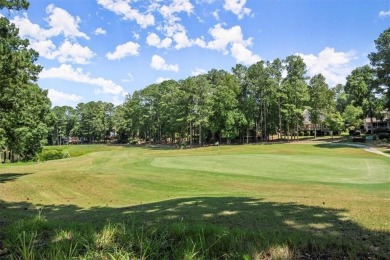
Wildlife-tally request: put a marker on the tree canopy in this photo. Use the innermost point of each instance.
(23, 105)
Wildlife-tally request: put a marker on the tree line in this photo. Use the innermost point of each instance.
(247, 104)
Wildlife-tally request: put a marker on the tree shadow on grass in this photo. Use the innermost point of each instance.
(339, 145)
(7, 177)
(239, 226)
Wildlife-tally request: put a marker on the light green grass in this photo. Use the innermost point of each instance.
(282, 198)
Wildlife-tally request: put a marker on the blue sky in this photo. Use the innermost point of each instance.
(106, 49)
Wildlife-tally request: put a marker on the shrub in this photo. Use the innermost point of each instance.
(53, 154)
(383, 135)
(356, 133)
(381, 130)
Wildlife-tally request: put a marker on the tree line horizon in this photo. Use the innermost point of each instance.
(249, 103)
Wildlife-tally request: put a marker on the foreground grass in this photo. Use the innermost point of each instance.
(252, 201)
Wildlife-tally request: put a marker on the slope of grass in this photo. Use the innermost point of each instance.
(285, 200)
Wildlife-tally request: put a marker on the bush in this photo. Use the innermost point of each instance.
(53, 154)
(356, 133)
(381, 130)
(301, 133)
(383, 135)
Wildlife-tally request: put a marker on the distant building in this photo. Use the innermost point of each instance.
(308, 125)
(378, 123)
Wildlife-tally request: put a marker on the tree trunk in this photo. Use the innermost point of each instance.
(200, 135)
(190, 133)
(265, 123)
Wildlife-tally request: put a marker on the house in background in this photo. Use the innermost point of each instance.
(378, 123)
(308, 125)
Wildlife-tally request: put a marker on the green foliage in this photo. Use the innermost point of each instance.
(23, 105)
(52, 154)
(380, 60)
(363, 90)
(352, 115)
(14, 4)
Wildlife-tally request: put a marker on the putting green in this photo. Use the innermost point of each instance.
(287, 167)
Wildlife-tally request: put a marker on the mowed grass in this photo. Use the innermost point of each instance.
(253, 201)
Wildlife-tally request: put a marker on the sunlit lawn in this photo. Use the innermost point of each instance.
(296, 196)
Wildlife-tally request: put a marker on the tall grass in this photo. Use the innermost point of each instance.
(37, 238)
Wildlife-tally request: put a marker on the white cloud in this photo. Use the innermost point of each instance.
(384, 13)
(123, 8)
(224, 37)
(158, 63)
(237, 7)
(176, 6)
(243, 55)
(182, 40)
(61, 22)
(335, 66)
(74, 53)
(123, 50)
(136, 36)
(154, 40)
(161, 79)
(198, 71)
(100, 31)
(27, 29)
(67, 72)
(216, 14)
(59, 98)
(46, 48)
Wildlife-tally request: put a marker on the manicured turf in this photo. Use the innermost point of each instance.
(295, 196)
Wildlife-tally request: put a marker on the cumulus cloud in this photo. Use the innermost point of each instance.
(46, 48)
(59, 98)
(154, 40)
(182, 40)
(61, 22)
(230, 41)
(100, 31)
(29, 30)
(158, 63)
(121, 51)
(176, 6)
(223, 37)
(123, 8)
(237, 7)
(335, 66)
(74, 53)
(67, 72)
(383, 14)
(243, 55)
